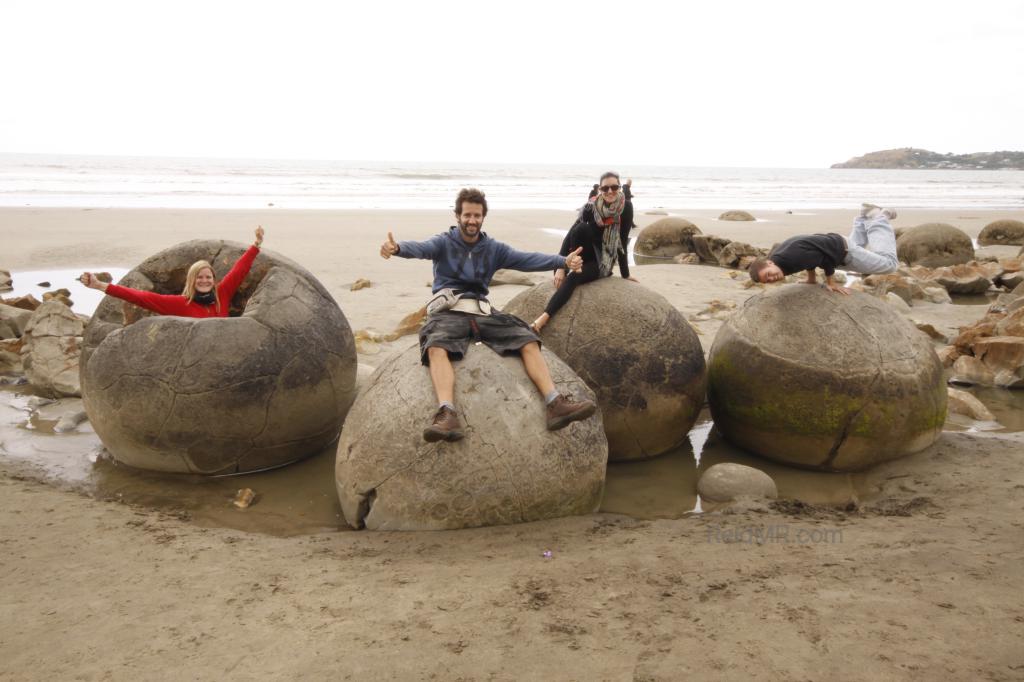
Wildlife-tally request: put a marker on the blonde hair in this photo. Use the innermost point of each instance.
(190, 282)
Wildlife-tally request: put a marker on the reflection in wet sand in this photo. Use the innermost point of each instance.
(292, 500)
(666, 487)
(301, 499)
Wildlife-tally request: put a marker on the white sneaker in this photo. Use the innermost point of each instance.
(869, 210)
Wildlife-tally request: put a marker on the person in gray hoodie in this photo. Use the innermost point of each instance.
(465, 259)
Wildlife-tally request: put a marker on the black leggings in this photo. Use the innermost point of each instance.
(590, 272)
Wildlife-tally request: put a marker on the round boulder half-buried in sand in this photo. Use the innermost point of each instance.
(666, 238)
(636, 351)
(820, 380)
(1002, 232)
(507, 469)
(219, 395)
(934, 245)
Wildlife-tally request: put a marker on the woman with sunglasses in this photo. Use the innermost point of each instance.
(602, 229)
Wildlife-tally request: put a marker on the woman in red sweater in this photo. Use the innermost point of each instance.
(203, 296)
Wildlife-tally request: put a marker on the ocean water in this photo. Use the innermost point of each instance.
(99, 181)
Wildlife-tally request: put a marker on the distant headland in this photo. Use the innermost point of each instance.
(909, 157)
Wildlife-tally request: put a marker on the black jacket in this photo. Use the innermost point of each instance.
(809, 251)
(587, 233)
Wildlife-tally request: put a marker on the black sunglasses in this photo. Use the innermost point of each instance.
(610, 188)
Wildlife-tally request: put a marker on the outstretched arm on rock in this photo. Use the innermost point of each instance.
(836, 287)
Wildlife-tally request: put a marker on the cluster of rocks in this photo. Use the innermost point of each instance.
(680, 241)
(43, 341)
(990, 352)
(938, 284)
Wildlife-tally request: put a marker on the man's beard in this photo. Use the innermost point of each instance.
(463, 230)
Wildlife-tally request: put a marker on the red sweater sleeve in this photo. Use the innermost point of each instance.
(165, 304)
(229, 285)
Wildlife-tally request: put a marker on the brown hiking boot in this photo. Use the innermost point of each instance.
(563, 410)
(446, 426)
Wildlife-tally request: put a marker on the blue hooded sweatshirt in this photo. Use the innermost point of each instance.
(470, 267)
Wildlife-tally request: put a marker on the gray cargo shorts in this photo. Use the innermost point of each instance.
(503, 333)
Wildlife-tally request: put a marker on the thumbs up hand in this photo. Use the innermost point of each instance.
(574, 261)
(389, 248)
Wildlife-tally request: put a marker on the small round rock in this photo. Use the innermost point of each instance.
(726, 482)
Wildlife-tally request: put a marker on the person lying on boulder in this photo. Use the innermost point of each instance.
(465, 259)
(203, 295)
(870, 250)
(602, 231)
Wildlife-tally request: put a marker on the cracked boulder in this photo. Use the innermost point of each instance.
(508, 469)
(265, 387)
(636, 351)
(805, 377)
(934, 245)
(666, 238)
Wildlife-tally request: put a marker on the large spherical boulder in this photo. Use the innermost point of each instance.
(820, 380)
(666, 238)
(508, 469)
(736, 215)
(1008, 232)
(219, 395)
(636, 351)
(934, 245)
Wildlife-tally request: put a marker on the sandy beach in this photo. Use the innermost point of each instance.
(918, 576)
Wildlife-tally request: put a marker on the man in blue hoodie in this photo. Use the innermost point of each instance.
(465, 259)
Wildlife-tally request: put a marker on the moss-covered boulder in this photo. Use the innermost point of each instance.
(934, 245)
(1002, 232)
(820, 380)
(219, 395)
(636, 351)
(507, 469)
(665, 238)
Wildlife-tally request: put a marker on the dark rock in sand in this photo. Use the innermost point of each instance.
(934, 245)
(220, 395)
(6, 283)
(709, 247)
(636, 351)
(736, 215)
(813, 379)
(27, 302)
(666, 238)
(1002, 232)
(733, 254)
(508, 469)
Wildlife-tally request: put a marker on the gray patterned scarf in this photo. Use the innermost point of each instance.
(609, 216)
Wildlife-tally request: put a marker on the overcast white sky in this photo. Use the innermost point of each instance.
(792, 84)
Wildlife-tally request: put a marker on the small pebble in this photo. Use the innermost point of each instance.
(244, 498)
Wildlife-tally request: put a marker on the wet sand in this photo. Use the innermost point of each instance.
(915, 574)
